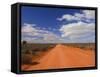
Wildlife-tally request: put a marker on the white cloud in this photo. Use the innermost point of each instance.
(89, 14)
(31, 33)
(73, 32)
(85, 15)
(81, 31)
(66, 17)
(27, 29)
(29, 24)
(78, 31)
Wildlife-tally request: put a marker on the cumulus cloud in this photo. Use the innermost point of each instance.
(27, 29)
(86, 15)
(83, 30)
(73, 32)
(89, 14)
(31, 33)
(67, 17)
(78, 31)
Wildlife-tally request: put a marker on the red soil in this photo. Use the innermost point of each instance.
(65, 57)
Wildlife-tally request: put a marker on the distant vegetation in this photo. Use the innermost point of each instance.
(87, 46)
(28, 50)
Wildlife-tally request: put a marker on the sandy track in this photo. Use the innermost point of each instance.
(65, 57)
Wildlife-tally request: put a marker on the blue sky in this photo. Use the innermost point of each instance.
(53, 25)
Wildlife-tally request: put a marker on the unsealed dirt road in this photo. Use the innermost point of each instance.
(62, 56)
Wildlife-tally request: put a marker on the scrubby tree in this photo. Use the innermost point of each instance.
(24, 42)
(24, 47)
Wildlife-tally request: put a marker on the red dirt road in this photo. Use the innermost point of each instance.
(65, 57)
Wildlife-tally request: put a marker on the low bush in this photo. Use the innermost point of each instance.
(26, 58)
